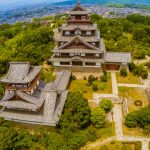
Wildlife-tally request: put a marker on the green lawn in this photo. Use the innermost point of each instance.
(80, 85)
(138, 132)
(133, 94)
(130, 79)
(119, 146)
(116, 145)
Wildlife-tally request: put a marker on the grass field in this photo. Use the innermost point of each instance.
(116, 145)
(133, 94)
(130, 79)
(80, 85)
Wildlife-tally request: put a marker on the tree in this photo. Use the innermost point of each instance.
(138, 118)
(7, 138)
(123, 72)
(104, 77)
(131, 120)
(95, 17)
(98, 117)
(106, 104)
(76, 112)
(140, 54)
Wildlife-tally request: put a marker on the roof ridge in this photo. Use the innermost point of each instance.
(81, 40)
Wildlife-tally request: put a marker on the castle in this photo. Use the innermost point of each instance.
(81, 47)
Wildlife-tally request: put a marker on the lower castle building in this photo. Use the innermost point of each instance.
(27, 99)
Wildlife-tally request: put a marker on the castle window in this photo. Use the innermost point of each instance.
(64, 54)
(83, 17)
(72, 17)
(90, 63)
(64, 63)
(88, 32)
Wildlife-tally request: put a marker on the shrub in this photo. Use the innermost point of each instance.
(104, 147)
(73, 77)
(123, 72)
(106, 104)
(144, 74)
(95, 87)
(91, 79)
(138, 71)
(98, 117)
(113, 142)
(131, 66)
(84, 78)
(103, 87)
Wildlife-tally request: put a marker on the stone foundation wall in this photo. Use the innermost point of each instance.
(81, 69)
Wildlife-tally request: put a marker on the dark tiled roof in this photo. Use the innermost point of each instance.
(21, 72)
(79, 38)
(82, 27)
(26, 101)
(62, 80)
(121, 57)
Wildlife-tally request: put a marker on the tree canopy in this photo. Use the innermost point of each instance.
(76, 112)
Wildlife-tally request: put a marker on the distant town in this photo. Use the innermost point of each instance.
(27, 13)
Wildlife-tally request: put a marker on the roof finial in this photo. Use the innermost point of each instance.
(78, 1)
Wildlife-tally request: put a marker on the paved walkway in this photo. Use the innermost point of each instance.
(132, 85)
(145, 145)
(114, 83)
(117, 116)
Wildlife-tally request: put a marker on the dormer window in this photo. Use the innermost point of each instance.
(72, 17)
(83, 17)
